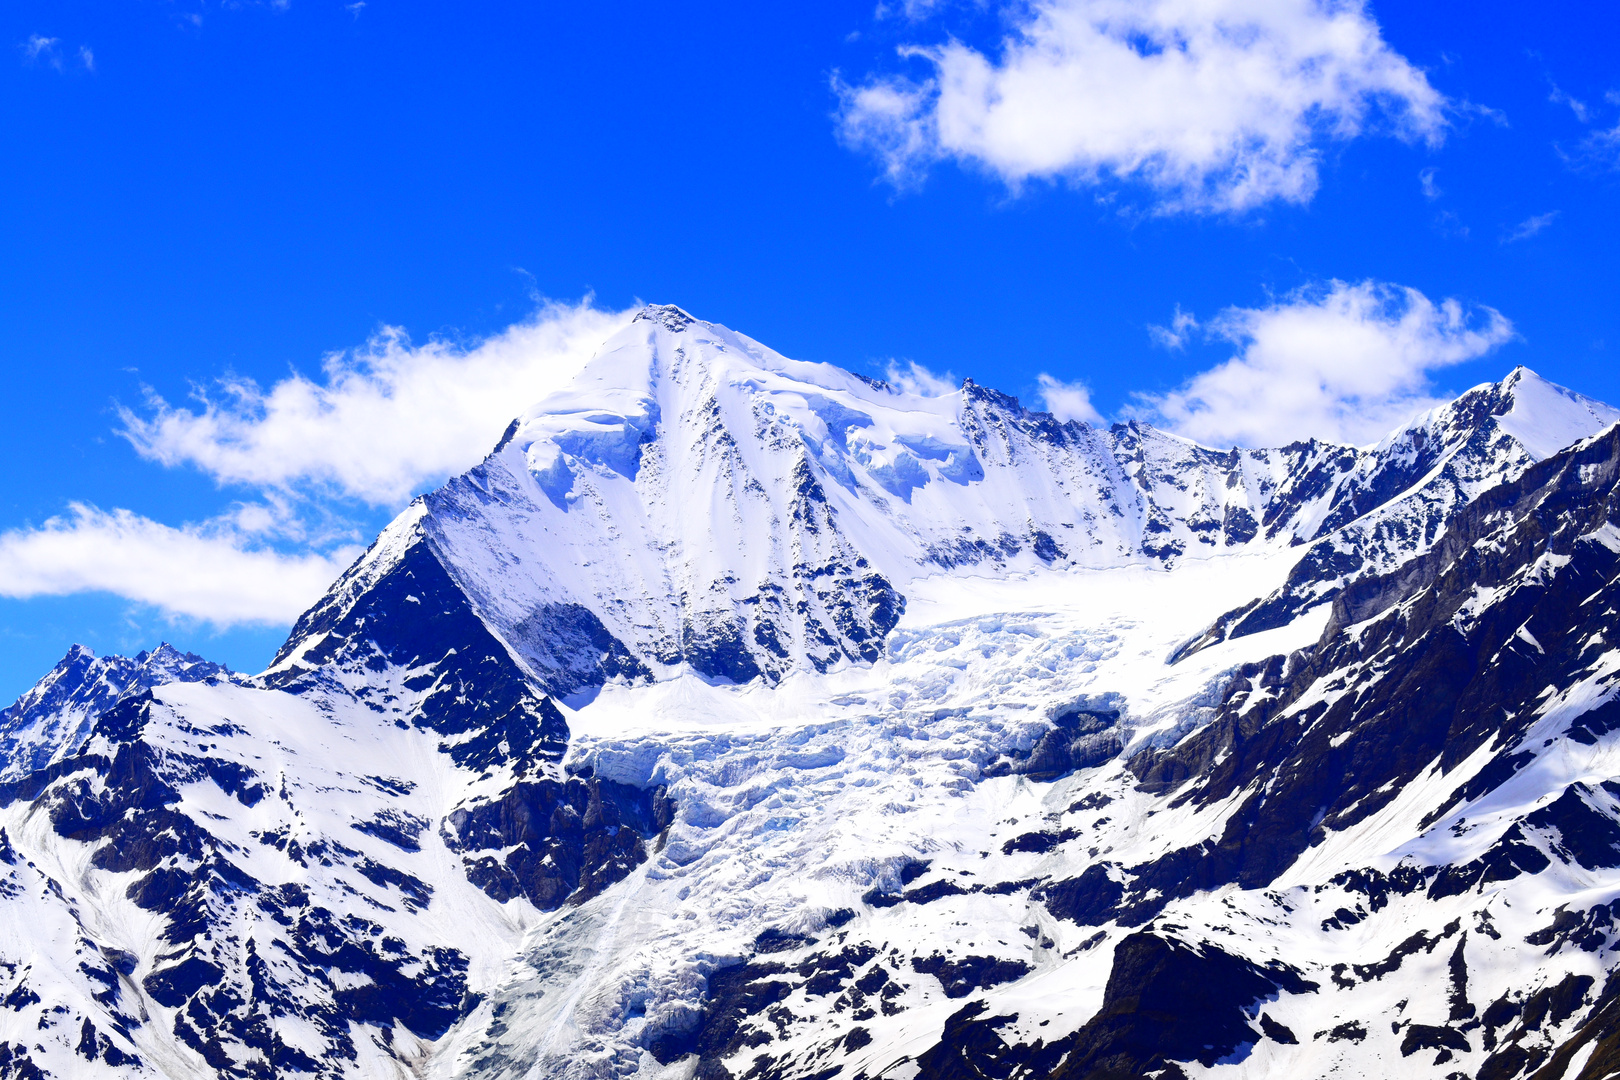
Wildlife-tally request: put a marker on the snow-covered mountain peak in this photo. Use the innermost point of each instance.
(1393, 501)
(51, 719)
(1540, 416)
(694, 501)
(1545, 417)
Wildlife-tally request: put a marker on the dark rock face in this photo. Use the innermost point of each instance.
(570, 649)
(1090, 899)
(1423, 680)
(971, 1048)
(742, 1011)
(961, 976)
(1437, 467)
(1080, 738)
(464, 684)
(1167, 1003)
(561, 841)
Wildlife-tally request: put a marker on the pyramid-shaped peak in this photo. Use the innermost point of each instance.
(1546, 417)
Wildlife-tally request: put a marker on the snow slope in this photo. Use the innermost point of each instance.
(53, 718)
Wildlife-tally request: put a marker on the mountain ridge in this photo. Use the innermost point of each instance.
(851, 463)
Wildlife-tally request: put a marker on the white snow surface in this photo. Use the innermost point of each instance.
(1545, 417)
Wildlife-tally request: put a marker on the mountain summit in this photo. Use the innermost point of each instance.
(745, 717)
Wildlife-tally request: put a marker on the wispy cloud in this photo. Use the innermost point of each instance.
(1214, 106)
(910, 10)
(1529, 227)
(39, 49)
(1576, 106)
(1600, 148)
(1431, 190)
(1342, 362)
(1174, 336)
(1447, 223)
(1068, 400)
(381, 421)
(214, 573)
(913, 378)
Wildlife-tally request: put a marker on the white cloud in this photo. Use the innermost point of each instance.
(1601, 148)
(910, 10)
(1431, 190)
(87, 58)
(1576, 106)
(212, 573)
(1529, 227)
(382, 421)
(1342, 362)
(1068, 401)
(1174, 336)
(41, 48)
(913, 378)
(1213, 104)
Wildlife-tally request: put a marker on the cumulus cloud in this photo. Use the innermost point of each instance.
(1214, 105)
(379, 423)
(1343, 362)
(382, 421)
(213, 573)
(1068, 400)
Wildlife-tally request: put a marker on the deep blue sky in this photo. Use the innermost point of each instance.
(247, 188)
